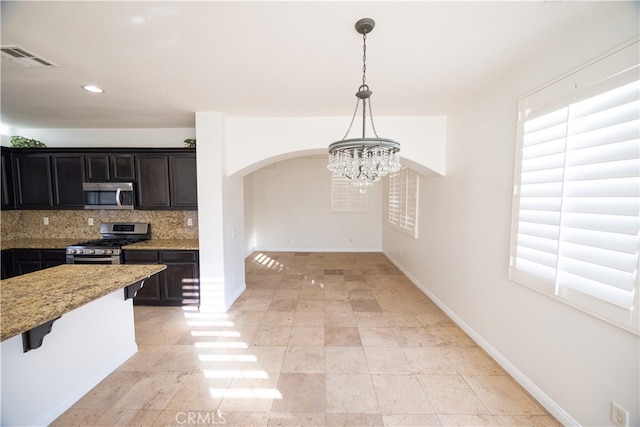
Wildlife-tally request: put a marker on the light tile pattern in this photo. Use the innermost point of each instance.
(317, 339)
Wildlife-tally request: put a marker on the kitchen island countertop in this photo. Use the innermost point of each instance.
(164, 244)
(33, 299)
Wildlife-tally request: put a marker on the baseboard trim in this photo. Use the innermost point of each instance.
(233, 297)
(543, 399)
(317, 250)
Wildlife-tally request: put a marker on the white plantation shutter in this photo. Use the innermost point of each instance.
(541, 194)
(394, 198)
(346, 197)
(403, 200)
(577, 203)
(601, 210)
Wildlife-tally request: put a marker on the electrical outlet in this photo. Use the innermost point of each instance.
(619, 416)
(189, 222)
(46, 220)
(90, 221)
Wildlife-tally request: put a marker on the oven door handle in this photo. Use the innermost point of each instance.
(118, 202)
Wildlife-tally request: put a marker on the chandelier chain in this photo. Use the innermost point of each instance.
(373, 126)
(364, 58)
(353, 118)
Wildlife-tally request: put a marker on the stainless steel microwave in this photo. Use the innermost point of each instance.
(108, 195)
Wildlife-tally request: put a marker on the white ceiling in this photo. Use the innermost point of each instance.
(159, 62)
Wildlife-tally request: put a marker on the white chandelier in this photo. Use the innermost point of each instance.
(364, 160)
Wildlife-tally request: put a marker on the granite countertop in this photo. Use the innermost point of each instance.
(164, 244)
(35, 298)
(38, 243)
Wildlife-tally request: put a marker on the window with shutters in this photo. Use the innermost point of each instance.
(403, 201)
(576, 210)
(346, 197)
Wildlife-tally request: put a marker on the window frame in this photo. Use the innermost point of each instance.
(561, 92)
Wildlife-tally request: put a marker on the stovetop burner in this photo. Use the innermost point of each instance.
(114, 236)
(116, 243)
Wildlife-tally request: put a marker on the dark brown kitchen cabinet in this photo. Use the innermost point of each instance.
(53, 257)
(6, 181)
(6, 266)
(177, 285)
(149, 294)
(182, 284)
(153, 181)
(51, 178)
(26, 261)
(167, 181)
(33, 176)
(183, 183)
(68, 172)
(30, 260)
(103, 167)
(46, 181)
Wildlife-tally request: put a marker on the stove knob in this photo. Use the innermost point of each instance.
(90, 251)
(107, 251)
(76, 251)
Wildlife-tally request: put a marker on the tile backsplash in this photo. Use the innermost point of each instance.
(74, 224)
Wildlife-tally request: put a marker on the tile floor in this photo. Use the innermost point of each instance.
(324, 339)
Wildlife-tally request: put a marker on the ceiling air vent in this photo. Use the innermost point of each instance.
(26, 59)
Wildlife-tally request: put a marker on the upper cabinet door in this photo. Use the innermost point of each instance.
(33, 173)
(110, 167)
(68, 171)
(97, 168)
(153, 181)
(123, 167)
(6, 181)
(184, 180)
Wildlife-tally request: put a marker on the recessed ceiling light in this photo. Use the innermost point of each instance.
(92, 88)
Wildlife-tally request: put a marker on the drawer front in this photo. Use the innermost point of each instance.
(179, 256)
(147, 257)
(54, 255)
(26, 254)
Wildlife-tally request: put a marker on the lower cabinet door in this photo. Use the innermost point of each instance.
(7, 264)
(149, 294)
(178, 284)
(181, 285)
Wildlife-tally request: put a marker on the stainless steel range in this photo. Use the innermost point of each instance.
(108, 250)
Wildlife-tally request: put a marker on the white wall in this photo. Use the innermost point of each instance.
(292, 210)
(83, 348)
(209, 133)
(87, 138)
(253, 142)
(249, 221)
(234, 240)
(572, 362)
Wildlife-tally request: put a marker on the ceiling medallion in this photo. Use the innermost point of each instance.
(367, 159)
